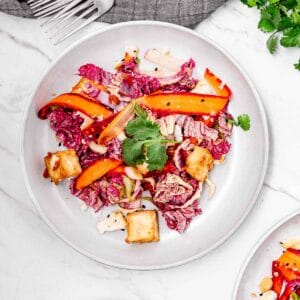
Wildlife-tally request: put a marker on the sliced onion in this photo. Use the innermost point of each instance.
(211, 186)
(133, 173)
(164, 60)
(101, 149)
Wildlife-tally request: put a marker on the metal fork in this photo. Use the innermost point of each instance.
(66, 16)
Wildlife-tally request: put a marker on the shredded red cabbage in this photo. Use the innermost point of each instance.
(95, 73)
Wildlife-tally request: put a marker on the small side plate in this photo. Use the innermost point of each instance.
(259, 261)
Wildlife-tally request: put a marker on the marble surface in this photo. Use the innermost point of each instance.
(35, 264)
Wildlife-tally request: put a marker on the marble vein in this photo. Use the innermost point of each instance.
(281, 190)
(9, 152)
(26, 45)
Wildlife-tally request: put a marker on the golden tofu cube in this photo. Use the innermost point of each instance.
(142, 227)
(199, 162)
(62, 164)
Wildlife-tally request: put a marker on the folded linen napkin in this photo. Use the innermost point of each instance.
(184, 12)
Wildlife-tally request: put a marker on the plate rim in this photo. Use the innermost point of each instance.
(256, 192)
(257, 245)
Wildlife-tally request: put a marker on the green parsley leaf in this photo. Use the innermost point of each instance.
(244, 122)
(291, 37)
(156, 155)
(286, 22)
(272, 43)
(144, 142)
(295, 16)
(132, 152)
(137, 60)
(289, 4)
(295, 296)
(142, 129)
(266, 25)
(297, 65)
(252, 3)
(269, 18)
(139, 111)
(279, 17)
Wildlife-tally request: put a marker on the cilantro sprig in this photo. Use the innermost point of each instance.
(243, 121)
(280, 18)
(144, 142)
(294, 296)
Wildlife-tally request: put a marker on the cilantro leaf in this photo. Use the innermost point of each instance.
(279, 17)
(295, 16)
(142, 129)
(132, 152)
(139, 111)
(144, 142)
(270, 18)
(291, 37)
(266, 25)
(294, 296)
(272, 43)
(286, 22)
(297, 65)
(156, 155)
(252, 3)
(244, 122)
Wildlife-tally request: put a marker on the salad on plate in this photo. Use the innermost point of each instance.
(136, 135)
(284, 284)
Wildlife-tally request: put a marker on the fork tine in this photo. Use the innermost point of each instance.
(69, 26)
(71, 13)
(47, 8)
(38, 3)
(50, 12)
(56, 16)
(87, 22)
(54, 20)
(70, 5)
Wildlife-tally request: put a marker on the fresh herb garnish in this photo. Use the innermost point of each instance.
(243, 121)
(295, 296)
(281, 18)
(137, 60)
(145, 143)
(297, 65)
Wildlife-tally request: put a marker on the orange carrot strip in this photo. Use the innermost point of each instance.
(78, 102)
(95, 171)
(185, 103)
(216, 84)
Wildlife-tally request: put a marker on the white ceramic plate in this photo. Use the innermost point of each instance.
(238, 181)
(258, 264)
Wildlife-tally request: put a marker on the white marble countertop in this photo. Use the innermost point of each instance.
(36, 264)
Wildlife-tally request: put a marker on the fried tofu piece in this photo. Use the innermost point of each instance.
(142, 227)
(62, 164)
(199, 163)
